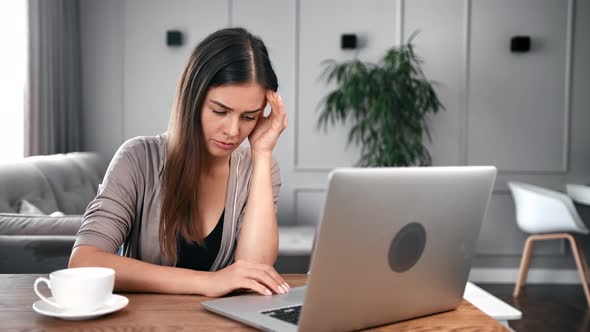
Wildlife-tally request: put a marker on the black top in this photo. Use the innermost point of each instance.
(196, 257)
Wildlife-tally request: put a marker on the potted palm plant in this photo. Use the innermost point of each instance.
(388, 104)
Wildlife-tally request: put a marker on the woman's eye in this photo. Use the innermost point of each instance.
(222, 113)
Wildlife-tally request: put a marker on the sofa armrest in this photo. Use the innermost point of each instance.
(18, 224)
(34, 254)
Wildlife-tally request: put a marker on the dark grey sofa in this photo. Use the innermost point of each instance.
(62, 182)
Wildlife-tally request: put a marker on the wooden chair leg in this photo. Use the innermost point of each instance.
(584, 261)
(581, 267)
(524, 265)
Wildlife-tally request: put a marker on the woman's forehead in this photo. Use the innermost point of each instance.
(242, 97)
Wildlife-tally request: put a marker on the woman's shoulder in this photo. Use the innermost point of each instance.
(145, 151)
(140, 145)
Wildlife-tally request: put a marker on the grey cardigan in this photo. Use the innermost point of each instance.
(126, 210)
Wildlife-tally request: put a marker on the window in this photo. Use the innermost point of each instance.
(13, 69)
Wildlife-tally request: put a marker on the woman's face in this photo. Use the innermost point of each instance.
(230, 113)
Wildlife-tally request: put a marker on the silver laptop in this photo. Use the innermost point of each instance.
(392, 244)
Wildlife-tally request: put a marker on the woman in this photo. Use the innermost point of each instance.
(193, 211)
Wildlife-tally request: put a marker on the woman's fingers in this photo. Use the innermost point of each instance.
(255, 286)
(264, 274)
(270, 99)
(276, 104)
(262, 277)
(280, 106)
(279, 115)
(268, 274)
(270, 271)
(277, 277)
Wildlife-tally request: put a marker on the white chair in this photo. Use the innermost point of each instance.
(579, 193)
(547, 215)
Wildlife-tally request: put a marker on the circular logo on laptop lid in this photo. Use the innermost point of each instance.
(406, 247)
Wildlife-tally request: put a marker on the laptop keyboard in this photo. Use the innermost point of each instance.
(288, 314)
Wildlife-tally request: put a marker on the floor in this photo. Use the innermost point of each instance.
(546, 307)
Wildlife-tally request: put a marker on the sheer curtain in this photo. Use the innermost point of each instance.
(53, 89)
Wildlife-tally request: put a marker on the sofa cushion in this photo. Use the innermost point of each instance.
(22, 181)
(73, 177)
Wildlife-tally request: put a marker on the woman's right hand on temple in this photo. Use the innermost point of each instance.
(260, 278)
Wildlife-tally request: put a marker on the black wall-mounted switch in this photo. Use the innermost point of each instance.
(348, 41)
(520, 44)
(173, 38)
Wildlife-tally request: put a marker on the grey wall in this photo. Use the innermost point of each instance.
(527, 114)
(102, 74)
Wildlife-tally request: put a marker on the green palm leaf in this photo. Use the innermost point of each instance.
(389, 104)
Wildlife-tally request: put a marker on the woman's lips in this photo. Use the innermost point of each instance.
(224, 146)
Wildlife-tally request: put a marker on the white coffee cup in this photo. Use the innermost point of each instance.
(82, 289)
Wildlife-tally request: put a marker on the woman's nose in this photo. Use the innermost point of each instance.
(232, 127)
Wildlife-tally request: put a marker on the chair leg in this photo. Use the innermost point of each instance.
(581, 267)
(584, 261)
(524, 265)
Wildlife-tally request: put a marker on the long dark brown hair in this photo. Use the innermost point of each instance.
(228, 56)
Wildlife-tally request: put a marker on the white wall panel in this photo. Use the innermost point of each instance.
(320, 27)
(308, 205)
(101, 23)
(152, 69)
(517, 109)
(444, 60)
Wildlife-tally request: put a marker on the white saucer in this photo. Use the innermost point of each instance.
(114, 303)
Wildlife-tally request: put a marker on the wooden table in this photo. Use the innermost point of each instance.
(156, 312)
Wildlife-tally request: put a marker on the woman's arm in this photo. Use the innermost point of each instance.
(133, 275)
(258, 240)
